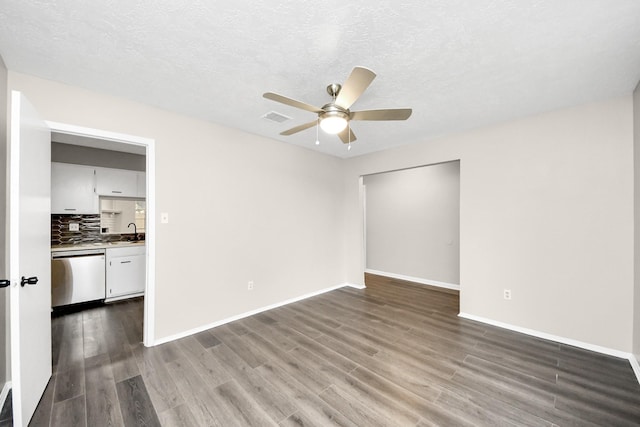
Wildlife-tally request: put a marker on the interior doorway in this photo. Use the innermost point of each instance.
(412, 224)
(105, 140)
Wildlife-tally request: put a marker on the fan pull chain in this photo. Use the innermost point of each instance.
(349, 131)
(317, 126)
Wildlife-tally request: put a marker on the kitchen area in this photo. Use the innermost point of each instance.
(98, 209)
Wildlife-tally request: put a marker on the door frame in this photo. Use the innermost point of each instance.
(150, 226)
(362, 190)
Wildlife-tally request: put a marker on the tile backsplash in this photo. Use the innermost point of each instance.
(89, 231)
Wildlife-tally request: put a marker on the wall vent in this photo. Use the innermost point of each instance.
(276, 117)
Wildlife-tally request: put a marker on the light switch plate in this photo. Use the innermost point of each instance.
(74, 226)
(164, 218)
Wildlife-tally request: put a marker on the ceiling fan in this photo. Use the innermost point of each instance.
(335, 115)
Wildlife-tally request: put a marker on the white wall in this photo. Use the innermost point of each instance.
(636, 188)
(413, 222)
(241, 208)
(5, 369)
(546, 210)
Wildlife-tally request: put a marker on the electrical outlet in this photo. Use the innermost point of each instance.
(507, 294)
(250, 285)
(74, 226)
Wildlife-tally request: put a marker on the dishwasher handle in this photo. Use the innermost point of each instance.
(77, 254)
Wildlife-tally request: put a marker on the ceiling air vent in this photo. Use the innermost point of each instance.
(276, 117)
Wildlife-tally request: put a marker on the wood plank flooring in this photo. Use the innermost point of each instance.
(6, 413)
(395, 354)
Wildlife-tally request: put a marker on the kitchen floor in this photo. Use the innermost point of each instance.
(393, 354)
(6, 413)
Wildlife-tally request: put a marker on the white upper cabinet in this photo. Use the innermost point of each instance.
(73, 189)
(142, 184)
(116, 182)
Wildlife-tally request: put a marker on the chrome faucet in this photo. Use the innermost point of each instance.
(135, 230)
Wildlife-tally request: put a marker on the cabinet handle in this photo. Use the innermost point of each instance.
(116, 192)
(125, 262)
(70, 209)
(4, 283)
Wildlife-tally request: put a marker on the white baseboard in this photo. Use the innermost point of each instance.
(246, 314)
(562, 340)
(635, 366)
(353, 285)
(4, 393)
(419, 280)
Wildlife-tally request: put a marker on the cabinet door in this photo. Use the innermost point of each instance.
(73, 189)
(125, 275)
(142, 184)
(116, 182)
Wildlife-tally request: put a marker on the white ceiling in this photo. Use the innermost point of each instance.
(459, 64)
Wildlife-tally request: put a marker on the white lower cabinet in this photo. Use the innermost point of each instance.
(126, 272)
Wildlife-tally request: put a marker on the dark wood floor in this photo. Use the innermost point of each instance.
(6, 414)
(393, 354)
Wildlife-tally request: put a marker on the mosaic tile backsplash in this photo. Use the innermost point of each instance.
(89, 231)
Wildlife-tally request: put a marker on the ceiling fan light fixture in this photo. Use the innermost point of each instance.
(333, 122)
(335, 116)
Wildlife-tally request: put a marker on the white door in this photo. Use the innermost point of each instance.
(29, 257)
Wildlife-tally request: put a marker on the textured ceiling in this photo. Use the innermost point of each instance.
(459, 64)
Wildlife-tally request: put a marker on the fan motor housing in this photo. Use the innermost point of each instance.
(333, 110)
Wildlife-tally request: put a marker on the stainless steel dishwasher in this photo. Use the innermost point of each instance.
(77, 276)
